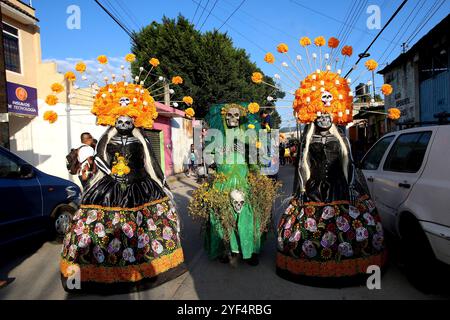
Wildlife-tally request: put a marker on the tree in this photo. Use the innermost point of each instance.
(213, 70)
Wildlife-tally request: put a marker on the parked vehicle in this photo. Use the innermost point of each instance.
(408, 176)
(33, 202)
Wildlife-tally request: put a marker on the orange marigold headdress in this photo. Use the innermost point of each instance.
(118, 98)
(321, 90)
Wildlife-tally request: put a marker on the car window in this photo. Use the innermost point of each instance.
(8, 167)
(373, 157)
(407, 153)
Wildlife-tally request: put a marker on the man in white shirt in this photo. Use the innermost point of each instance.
(86, 158)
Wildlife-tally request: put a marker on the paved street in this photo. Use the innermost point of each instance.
(36, 274)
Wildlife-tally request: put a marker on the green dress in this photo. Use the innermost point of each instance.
(246, 238)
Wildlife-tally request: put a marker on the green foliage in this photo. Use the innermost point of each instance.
(213, 70)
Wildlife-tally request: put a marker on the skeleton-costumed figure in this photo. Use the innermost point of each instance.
(237, 227)
(126, 234)
(331, 232)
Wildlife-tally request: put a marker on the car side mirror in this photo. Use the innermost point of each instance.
(26, 171)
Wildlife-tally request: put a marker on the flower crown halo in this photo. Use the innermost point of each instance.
(320, 87)
(227, 107)
(124, 97)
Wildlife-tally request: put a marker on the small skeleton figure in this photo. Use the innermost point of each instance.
(237, 199)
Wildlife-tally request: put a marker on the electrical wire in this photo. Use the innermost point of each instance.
(210, 11)
(425, 23)
(232, 14)
(203, 11)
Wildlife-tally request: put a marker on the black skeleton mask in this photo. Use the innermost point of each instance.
(124, 125)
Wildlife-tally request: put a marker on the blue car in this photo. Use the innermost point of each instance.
(33, 202)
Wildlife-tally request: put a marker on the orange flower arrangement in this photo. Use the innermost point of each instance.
(102, 59)
(141, 108)
(305, 41)
(50, 116)
(347, 51)
(70, 76)
(308, 98)
(177, 80)
(57, 87)
(386, 89)
(371, 64)
(188, 100)
(319, 41)
(333, 43)
(253, 107)
(51, 100)
(130, 57)
(269, 58)
(189, 112)
(80, 67)
(154, 62)
(257, 77)
(394, 113)
(282, 48)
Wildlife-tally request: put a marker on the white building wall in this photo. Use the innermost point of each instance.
(182, 138)
(46, 145)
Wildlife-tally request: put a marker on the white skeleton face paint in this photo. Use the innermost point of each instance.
(237, 199)
(232, 117)
(124, 123)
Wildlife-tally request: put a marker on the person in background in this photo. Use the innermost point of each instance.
(192, 160)
(281, 154)
(86, 154)
(265, 120)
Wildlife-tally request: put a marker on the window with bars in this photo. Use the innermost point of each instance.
(11, 48)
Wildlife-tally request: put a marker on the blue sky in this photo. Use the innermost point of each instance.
(258, 26)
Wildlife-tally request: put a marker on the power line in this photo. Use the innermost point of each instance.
(196, 10)
(353, 23)
(210, 11)
(348, 23)
(229, 17)
(336, 20)
(361, 56)
(128, 12)
(117, 15)
(119, 23)
(424, 24)
(401, 28)
(203, 11)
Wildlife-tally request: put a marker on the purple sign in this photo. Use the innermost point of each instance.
(22, 99)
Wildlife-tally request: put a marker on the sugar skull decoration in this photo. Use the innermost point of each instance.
(237, 198)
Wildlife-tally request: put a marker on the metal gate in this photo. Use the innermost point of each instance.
(154, 136)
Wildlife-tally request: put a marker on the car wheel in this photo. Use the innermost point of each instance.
(62, 221)
(417, 255)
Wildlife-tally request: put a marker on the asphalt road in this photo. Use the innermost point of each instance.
(33, 270)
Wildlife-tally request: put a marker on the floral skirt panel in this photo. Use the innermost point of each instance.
(123, 245)
(330, 240)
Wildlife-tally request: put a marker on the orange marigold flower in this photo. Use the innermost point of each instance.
(269, 58)
(51, 100)
(50, 116)
(282, 48)
(305, 41)
(394, 113)
(258, 144)
(257, 77)
(319, 41)
(371, 64)
(386, 89)
(154, 62)
(102, 59)
(80, 67)
(177, 80)
(57, 87)
(188, 100)
(347, 51)
(253, 107)
(130, 57)
(189, 112)
(333, 42)
(70, 76)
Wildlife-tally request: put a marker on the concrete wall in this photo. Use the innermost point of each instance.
(405, 82)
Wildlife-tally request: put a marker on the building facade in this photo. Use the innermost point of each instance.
(420, 77)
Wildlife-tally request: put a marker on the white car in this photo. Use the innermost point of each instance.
(408, 176)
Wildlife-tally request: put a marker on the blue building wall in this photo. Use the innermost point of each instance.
(434, 96)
